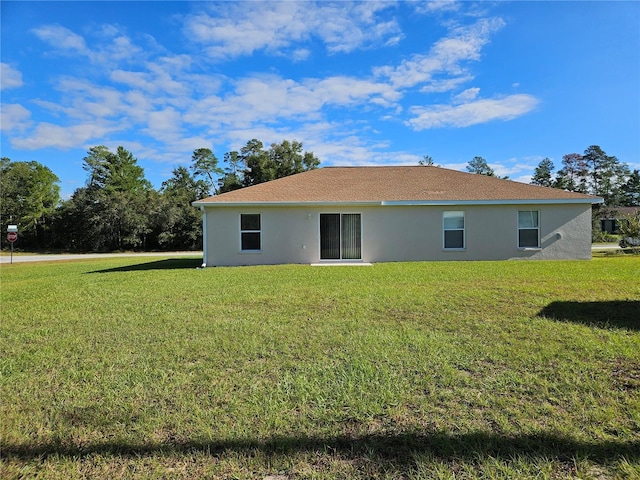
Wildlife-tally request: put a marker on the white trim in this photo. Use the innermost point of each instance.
(345, 263)
(464, 232)
(403, 203)
(539, 228)
(240, 232)
(339, 260)
(285, 204)
(204, 237)
(523, 201)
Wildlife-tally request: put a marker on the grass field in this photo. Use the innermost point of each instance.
(149, 368)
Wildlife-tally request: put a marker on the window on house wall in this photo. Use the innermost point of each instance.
(453, 230)
(528, 229)
(250, 232)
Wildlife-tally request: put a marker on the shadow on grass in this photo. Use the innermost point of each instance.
(612, 314)
(386, 450)
(168, 264)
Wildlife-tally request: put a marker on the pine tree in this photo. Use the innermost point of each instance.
(543, 174)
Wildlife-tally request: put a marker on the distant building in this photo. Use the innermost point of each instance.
(611, 220)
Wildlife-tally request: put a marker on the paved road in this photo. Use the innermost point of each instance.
(609, 246)
(83, 256)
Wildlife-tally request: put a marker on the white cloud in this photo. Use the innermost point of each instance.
(445, 85)
(14, 117)
(466, 96)
(431, 6)
(272, 99)
(114, 47)
(300, 54)
(9, 77)
(137, 105)
(348, 90)
(345, 26)
(235, 30)
(174, 101)
(275, 27)
(89, 101)
(47, 135)
(139, 80)
(62, 39)
(473, 113)
(164, 124)
(445, 64)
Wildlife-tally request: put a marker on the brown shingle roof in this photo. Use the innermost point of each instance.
(391, 184)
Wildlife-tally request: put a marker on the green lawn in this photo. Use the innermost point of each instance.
(150, 368)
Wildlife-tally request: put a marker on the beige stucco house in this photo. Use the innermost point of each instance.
(388, 214)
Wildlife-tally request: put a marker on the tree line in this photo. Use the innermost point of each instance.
(118, 208)
(592, 172)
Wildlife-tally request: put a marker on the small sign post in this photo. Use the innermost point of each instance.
(12, 236)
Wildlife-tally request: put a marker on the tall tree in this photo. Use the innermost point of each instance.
(29, 195)
(480, 166)
(71, 230)
(205, 164)
(114, 206)
(573, 174)
(258, 167)
(177, 222)
(116, 172)
(281, 160)
(289, 159)
(232, 178)
(543, 174)
(606, 175)
(630, 191)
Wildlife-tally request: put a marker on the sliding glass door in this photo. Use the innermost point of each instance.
(340, 236)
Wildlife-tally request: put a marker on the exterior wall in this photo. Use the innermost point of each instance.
(289, 235)
(400, 233)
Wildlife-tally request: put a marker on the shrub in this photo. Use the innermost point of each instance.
(630, 231)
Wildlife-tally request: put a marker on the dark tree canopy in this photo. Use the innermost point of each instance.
(543, 174)
(596, 173)
(177, 223)
(480, 166)
(118, 209)
(572, 175)
(29, 196)
(630, 191)
(114, 207)
(254, 164)
(205, 165)
(232, 177)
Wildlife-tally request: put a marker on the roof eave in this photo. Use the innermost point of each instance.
(398, 203)
(282, 204)
(514, 201)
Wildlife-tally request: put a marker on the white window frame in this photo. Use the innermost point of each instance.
(259, 250)
(341, 259)
(537, 227)
(463, 230)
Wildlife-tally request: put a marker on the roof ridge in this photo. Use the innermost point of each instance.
(392, 183)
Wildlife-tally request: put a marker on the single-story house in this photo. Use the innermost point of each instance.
(610, 220)
(387, 214)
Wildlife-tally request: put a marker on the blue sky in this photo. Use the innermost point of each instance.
(358, 83)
